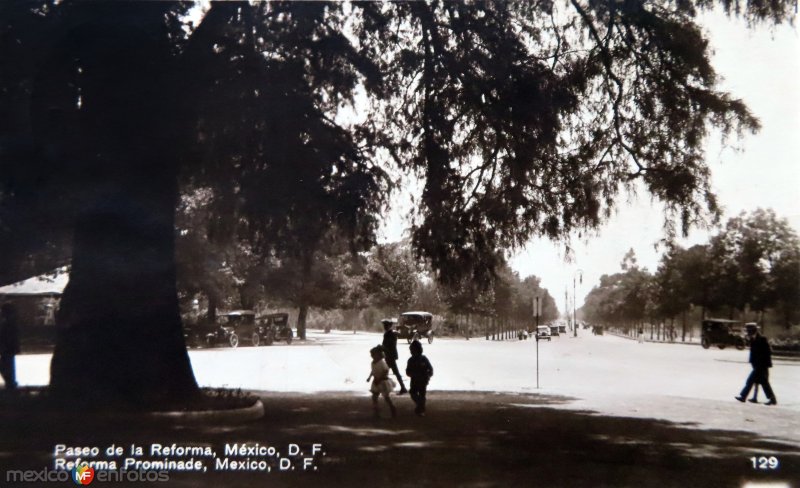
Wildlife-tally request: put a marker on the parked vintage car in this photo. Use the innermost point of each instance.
(274, 326)
(415, 325)
(229, 329)
(554, 329)
(722, 333)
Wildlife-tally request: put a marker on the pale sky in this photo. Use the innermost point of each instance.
(760, 66)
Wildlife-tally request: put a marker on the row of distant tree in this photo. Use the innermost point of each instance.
(749, 269)
(224, 273)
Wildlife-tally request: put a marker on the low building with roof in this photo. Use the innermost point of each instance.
(37, 301)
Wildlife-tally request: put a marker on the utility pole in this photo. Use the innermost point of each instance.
(578, 274)
(537, 310)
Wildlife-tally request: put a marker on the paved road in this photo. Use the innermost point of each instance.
(605, 374)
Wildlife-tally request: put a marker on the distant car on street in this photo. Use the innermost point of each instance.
(543, 333)
(554, 330)
(722, 333)
(415, 325)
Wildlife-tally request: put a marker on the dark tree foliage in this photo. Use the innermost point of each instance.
(508, 298)
(265, 103)
(203, 266)
(752, 264)
(284, 172)
(527, 118)
(289, 281)
(528, 289)
(392, 277)
(521, 118)
(625, 298)
(757, 257)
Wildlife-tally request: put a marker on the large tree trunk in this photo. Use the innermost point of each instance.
(683, 324)
(302, 316)
(120, 337)
(246, 299)
(211, 313)
(307, 264)
(120, 332)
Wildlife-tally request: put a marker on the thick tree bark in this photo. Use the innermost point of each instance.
(302, 315)
(120, 332)
(307, 264)
(245, 298)
(120, 335)
(683, 325)
(211, 313)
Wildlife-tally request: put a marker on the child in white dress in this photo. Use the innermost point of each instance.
(381, 383)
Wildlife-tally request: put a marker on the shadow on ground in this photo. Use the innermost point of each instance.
(468, 439)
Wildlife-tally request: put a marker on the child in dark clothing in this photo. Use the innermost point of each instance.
(419, 369)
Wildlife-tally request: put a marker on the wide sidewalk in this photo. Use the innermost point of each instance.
(468, 439)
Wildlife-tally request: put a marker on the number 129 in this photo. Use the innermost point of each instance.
(764, 462)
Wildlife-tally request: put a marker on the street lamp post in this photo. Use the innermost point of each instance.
(579, 275)
(537, 311)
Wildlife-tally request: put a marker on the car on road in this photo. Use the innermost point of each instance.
(228, 329)
(272, 327)
(543, 333)
(554, 330)
(415, 325)
(722, 333)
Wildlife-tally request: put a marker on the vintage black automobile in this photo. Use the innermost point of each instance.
(229, 329)
(722, 333)
(274, 326)
(233, 327)
(415, 325)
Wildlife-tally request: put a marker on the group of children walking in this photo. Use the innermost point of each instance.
(384, 359)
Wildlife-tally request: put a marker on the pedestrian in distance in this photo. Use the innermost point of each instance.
(641, 335)
(382, 385)
(390, 349)
(760, 361)
(419, 369)
(9, 345)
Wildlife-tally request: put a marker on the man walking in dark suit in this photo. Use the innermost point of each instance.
(761, 361)
(390, 350)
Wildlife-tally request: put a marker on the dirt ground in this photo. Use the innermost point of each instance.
(468, 439)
